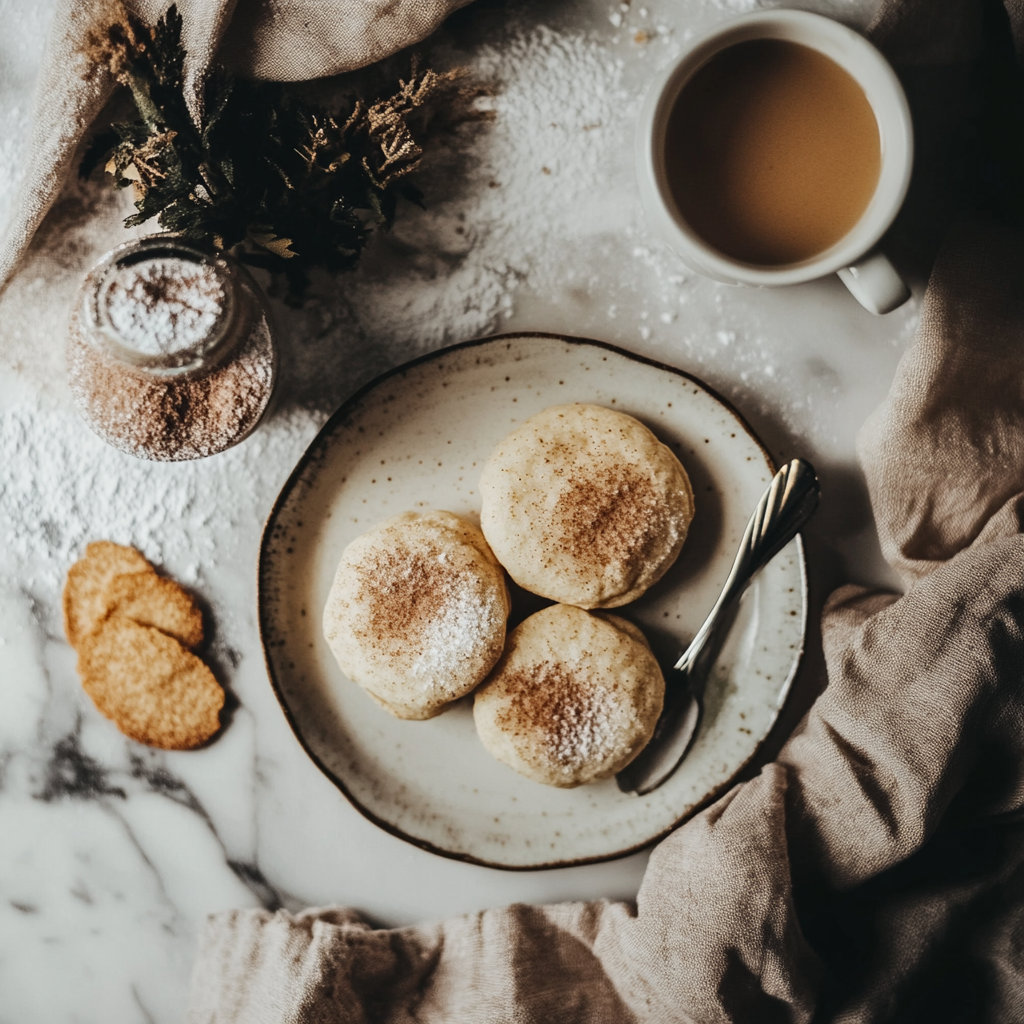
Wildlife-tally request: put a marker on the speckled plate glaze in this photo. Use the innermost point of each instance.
(417, 438)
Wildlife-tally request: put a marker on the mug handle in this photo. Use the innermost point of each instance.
(874, 283)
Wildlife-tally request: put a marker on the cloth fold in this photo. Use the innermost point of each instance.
(945, 455)
(266, 39)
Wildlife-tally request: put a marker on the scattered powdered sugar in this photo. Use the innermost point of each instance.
(580, 733)
(61, 487)
(502, 203)
(164, 306)
(737, 6)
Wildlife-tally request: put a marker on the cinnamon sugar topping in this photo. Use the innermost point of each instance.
(572, 716)
(612, 518)
(172, 420)
(427, 604)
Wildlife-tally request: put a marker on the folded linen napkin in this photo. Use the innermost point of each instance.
(266, 39)
(875, 870)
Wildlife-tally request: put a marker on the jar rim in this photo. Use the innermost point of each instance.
(181, 359)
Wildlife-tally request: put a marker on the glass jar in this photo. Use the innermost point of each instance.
(171, 354)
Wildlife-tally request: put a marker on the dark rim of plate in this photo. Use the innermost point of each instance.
(312, 452)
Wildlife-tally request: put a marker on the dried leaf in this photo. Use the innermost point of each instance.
(290, 180)
(278, 246)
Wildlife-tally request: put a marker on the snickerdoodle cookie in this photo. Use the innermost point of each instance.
(416, 614)
(584, 505)
(574, 698)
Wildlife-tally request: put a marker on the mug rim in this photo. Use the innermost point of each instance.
(855, 55)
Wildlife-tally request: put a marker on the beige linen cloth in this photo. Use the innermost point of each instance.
(280, 40)
(873, 872)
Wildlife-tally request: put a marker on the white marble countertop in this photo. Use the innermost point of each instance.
(111, 854)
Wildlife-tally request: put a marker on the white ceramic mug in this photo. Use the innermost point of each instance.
(863, 268)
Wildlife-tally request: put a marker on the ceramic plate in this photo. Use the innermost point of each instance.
(417, 438)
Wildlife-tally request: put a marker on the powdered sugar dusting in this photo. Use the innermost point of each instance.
(580, 733)
(164, 306)
(60, 487)
(427, 609)
(453, 637)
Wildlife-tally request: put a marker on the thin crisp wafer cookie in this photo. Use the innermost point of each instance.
(87, 590)
(149, 685)
(157, 601)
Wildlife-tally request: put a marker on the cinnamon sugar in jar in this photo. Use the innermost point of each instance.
(170, 355)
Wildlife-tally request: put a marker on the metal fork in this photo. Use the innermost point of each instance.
(785, 506)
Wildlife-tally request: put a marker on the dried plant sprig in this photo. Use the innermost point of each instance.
(285, 183)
